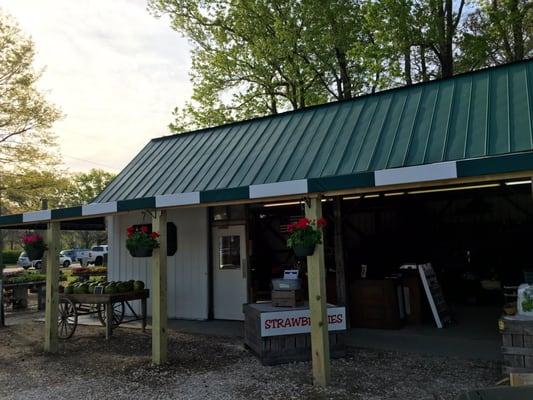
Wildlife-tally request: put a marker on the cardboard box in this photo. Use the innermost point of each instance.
(287, 298)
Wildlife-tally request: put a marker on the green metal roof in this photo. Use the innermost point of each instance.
(478, 114)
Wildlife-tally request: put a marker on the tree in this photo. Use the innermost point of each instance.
(500, 31)
(25, 115)
(85, 186)
(257, 57)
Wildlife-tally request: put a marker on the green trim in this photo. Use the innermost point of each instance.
(11, 219)
(70, 212)
(136, 204)
(352, 181)
(238, 193)
(495, 165)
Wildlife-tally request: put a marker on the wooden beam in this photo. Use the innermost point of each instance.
(340, 272)
(159, 290)
(52, 288)
(316, 276)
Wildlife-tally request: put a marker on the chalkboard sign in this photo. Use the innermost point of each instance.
(438, 305)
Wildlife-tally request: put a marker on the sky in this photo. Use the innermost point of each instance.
(115, 71)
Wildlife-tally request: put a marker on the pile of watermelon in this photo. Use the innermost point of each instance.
(107, 287)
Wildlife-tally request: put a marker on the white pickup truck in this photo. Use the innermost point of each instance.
(96, 255)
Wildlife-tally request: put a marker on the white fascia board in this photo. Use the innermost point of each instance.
(99, 208)
(278, 189)
(178, 199)
(418, 173)
(36, 216)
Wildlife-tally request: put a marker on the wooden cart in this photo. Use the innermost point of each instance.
(107, 307)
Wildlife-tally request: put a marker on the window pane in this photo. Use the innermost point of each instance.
(229, 248)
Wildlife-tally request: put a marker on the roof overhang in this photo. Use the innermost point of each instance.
(91, 216)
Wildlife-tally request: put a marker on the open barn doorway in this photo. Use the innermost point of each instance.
(477, 239)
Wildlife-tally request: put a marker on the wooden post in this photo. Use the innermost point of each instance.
(340, 272)
(159, 290)
(52, 288)
(316, 276)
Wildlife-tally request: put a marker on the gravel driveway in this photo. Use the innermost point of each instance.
(202, 367)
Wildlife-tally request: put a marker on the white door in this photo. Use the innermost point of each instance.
(229, 272)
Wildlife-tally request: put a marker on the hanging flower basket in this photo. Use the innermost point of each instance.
(34, 246)
(303, 251)
(141, 252)
(141, 242)
(304, 235)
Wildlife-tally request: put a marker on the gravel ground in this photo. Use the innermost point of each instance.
(203, 367)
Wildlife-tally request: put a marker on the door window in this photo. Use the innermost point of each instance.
(229, 248)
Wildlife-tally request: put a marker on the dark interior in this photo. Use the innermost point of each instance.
(470, 236)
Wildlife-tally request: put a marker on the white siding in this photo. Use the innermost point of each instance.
(187, 269)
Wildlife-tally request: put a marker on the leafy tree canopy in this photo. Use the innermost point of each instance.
(257, 57)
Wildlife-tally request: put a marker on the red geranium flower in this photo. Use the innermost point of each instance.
(144, 229)
(321, 222)
(302, 223)
(154, 235)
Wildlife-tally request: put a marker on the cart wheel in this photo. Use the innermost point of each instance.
(118, 313)
(67, 319)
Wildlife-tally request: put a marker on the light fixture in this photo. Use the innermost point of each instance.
(351, 198)
(371, 196)
(454, 188)
(511, 183)
(290, 203)
(394, 194)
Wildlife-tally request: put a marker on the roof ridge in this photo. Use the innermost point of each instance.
(337, 102)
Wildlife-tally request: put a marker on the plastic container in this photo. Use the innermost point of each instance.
(525, 300)
(286, 284)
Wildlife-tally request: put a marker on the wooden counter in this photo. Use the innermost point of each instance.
(278, 335)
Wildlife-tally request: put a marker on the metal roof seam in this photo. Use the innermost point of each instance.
(178, 150)
(529, 94)
(508, 99)
(145, 174)
(230, 160)
(277, 175)
(215, 162)
(450, 114)
(280, 126)
(468, 117)
(395, 136)
(349, 139)
(261, 136)
(322, 140)
(432, 120)
(355, 160)
(379, 138)
(353, 139)
(170, 180)
(216, 139)
(413, 127)
(487, 119)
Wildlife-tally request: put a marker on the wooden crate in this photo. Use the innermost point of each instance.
(374, 304)
(517, 344)
(287, 298)
(275, 350)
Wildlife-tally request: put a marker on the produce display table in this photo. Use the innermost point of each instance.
(279, 335)
(39, 286)
(108, 307)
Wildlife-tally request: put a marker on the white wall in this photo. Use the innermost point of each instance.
(187, 269)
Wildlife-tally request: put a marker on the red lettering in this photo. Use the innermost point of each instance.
(268, 324)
